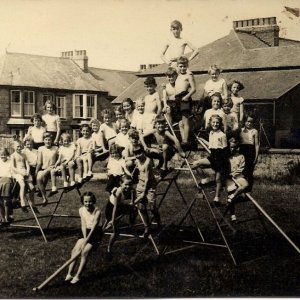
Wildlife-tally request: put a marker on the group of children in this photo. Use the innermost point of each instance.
(138, 144)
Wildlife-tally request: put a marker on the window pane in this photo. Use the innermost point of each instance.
(15, 103)
(47, 97)
(60, 106)
(78, 106)
(91, 100)
(28, 103)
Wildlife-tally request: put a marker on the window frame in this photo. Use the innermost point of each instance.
(11, 104)
(85, 106)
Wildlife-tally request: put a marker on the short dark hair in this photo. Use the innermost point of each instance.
(241, 86)
(176, 23)
(150, 80)
(36, 116)
(88, 194)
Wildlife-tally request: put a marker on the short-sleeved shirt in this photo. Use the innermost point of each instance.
(122, 140)
(115, 166)
(237, 164)
(51, 122)
(37, 133)
(87, 217)
(5, 167)
(48, 156)
(108, 132)
(67, 153)
(211, 86)
(84, 145)
(210, 112)
(30, 156)
(143, 121)
(96, 138)
(217, 140)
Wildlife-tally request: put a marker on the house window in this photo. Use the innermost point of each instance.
(28, 103)
(84, 106)
(16, 103)
(47, 97)
(60, 102)
(22, 103)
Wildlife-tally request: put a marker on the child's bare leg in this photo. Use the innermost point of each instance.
(186, 129)
(22, 192)
(83, 260)
(79, 163)
(2, 212)
(218, 186)
(63, 172)
(7, 208)
(85, 167)
(53, 178)
(181, 130)
(165, 148)
(41, 182)
(202, 162)
(71, 172)
(74, 252)
(89, 164)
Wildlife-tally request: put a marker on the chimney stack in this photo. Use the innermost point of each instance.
(265, 29)
(79, 57)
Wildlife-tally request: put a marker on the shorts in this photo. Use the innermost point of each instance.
(219, 160)
(149, 200)
(20, 178)
(96, 236)
(6, 185)
(231, 185)
(122, 209)
(112, 182)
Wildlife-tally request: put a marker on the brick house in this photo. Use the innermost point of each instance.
(268, 66)
(27, 81)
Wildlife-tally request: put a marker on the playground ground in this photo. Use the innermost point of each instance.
(269, 266)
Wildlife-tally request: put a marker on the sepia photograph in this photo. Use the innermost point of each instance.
(149, 149)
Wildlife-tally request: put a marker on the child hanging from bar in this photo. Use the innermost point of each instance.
(218, 159)
(116, 167)
(91, 235)
(185, 87)
(65, 164)
(21, 173)
(236, 182)
(160, 144)
(120, 203)
(83, 156)
(47, 156)
(146, 188)
(6, 185)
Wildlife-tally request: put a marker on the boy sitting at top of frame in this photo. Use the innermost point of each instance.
(159, 144)
(176, 45)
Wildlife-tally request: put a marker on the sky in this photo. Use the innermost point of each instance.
(122, 34)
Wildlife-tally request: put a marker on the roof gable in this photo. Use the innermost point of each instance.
(18, 69)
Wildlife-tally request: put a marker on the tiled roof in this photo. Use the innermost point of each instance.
(260, 85)
(28, 70)
(231, 53)
(113, 81)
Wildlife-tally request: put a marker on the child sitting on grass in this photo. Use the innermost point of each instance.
(108, 130)
(236, 182)
(47, 156)
(152, 100)
(36, 132)
(116, 167)
(90, 216)
(120, 203)
(83, 156)
(6, 185)
(64, 164)
(146, 188)
(21, 172)
(159, 144)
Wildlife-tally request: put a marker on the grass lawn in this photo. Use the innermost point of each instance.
(269, 266)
